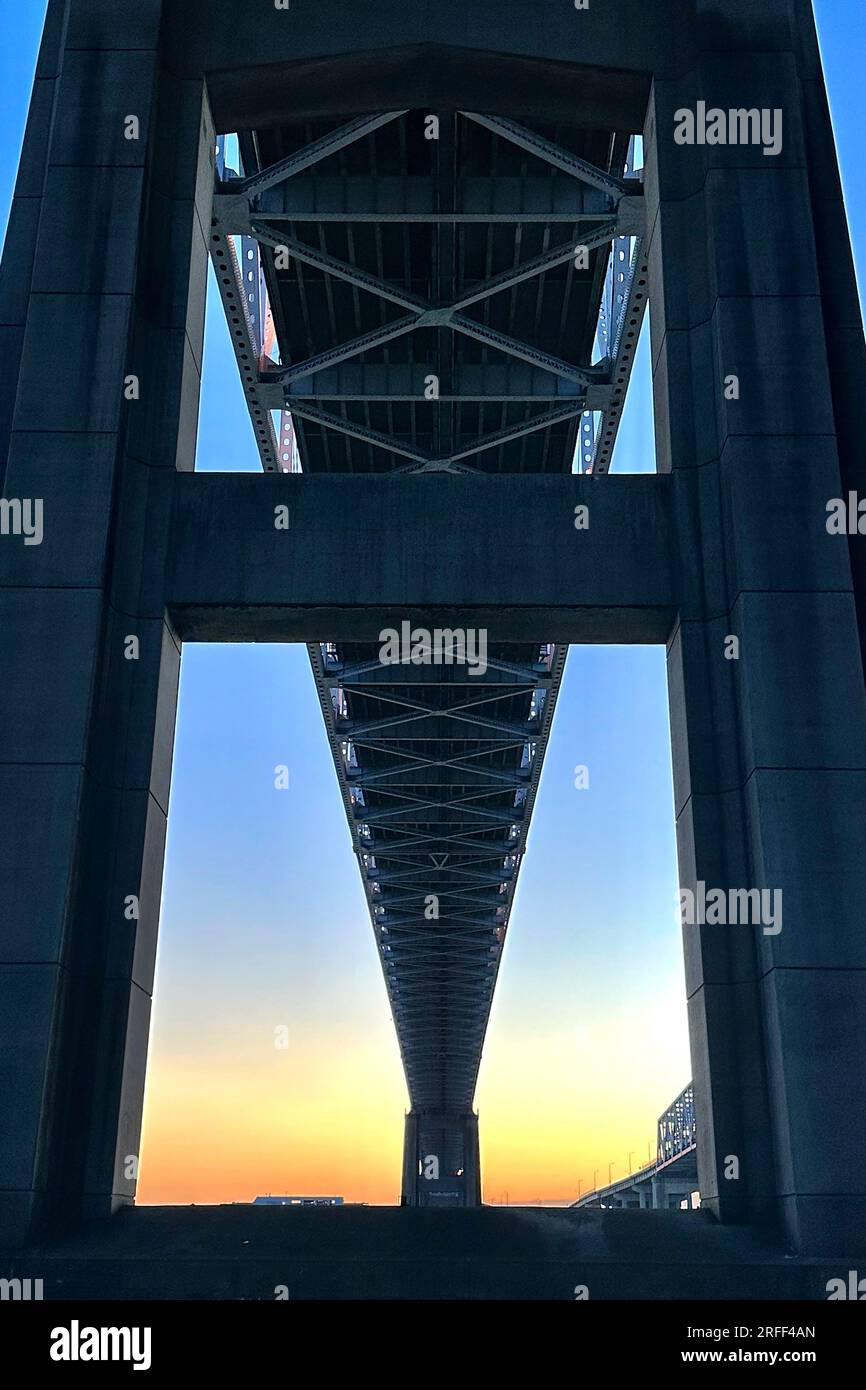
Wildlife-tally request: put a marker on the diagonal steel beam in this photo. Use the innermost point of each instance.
(527, 270)
(514, 348)
(353, 348)
(313, 153)
(551, 153)
(341, 270)
(368, 436)
(504, 436)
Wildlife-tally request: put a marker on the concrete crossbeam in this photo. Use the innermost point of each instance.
(530, 575)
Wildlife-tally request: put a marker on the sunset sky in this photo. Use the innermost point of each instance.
(264, 923)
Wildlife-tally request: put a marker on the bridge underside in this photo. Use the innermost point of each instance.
(433, 292)
(439, 770)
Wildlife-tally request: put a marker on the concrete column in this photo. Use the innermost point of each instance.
(840, 301)
(19, 249)
(471, 1162)
(668, 1193)
(87, 701)
(768, 712)
(444, 1147)
(410, 1161)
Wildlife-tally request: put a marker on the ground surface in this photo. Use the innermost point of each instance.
(242, 1252)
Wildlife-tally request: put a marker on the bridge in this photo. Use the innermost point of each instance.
(435, 236)
(670, 1178)
(511, 248)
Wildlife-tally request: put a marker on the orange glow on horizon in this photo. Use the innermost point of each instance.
(326, 1118)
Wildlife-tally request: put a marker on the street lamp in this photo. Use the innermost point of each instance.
(609, 1178)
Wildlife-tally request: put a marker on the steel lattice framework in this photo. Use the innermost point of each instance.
(420, 292)
(676, 1128)
(439, 772)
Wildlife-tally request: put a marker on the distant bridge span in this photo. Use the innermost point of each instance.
(668, 1179)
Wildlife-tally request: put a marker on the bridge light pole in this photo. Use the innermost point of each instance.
(609, 1171)
(595, 1179)
(630, 1157)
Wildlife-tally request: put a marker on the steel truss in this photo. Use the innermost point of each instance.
(676, 1127)
(253, 207)
(439, 771)
(438, 766)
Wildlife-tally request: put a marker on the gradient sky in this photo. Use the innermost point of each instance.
(264, 923)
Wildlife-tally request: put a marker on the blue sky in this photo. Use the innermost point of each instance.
(264, 922)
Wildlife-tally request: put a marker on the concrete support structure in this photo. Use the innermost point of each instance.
(441, 1161)
(103, 288)
(669, 1194)
(101, 307)
(765, 670)
(411, 1161)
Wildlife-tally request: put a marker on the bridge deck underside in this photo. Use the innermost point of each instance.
(431, 313)
(440, 770)
(484, 388)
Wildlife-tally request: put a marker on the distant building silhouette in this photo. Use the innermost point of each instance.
(298, 1202)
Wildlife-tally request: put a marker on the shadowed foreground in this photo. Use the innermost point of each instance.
(240, 1252)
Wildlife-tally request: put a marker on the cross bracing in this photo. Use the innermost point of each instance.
(433, 292)
(446, 294)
